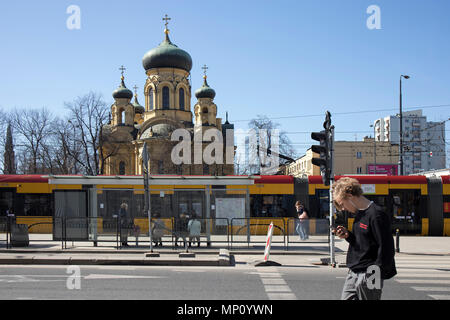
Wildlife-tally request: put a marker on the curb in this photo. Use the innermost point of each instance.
(224, 259)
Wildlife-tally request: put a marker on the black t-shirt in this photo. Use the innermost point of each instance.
(371, 242)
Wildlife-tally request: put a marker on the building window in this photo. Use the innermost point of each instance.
(165, 98)
(160, 166)
(359, 155)
(122, 117)
(181, 98)
(150, 96)
(122, 168)
(359, 170)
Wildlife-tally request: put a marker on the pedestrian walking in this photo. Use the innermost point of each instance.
(124, 225)
(370, 255)
(302, 224)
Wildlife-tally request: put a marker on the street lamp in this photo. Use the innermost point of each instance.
(400, 161)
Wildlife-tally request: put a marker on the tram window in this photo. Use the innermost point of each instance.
(36, 205)
(6, 202)
(271, 206)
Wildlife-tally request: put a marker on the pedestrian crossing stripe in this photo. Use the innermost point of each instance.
(436, 289)
(429, 281)
(440, 296)
(423, 275)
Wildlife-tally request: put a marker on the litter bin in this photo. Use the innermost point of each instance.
(19, 235)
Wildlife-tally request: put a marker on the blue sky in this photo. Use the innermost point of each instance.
(284, 59)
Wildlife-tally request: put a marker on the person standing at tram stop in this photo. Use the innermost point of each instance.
(370, 255)
(123, 216)
(302, 225)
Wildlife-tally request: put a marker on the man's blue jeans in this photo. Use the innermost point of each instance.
(301, 230)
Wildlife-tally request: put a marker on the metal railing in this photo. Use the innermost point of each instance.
(113, 231)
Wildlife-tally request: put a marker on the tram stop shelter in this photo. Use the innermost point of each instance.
(87, 208)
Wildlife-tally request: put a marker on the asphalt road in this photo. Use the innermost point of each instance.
(419, 278)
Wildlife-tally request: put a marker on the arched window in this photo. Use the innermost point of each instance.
(150, 97)
(165, 98)
(122, 168)
(181, 98)
(122, 117)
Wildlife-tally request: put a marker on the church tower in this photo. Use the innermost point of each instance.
(167, 107)
(122, 110)
(205, 109)
(167, 89)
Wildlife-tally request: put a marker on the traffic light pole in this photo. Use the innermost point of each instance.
(332, 253)
(325, 162)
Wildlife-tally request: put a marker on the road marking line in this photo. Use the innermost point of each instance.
(274, 288)
(442, 289)
(424, 275)
(440, 296)
(281, 296)
(417, 270)
(431, 266)
(119, 276)
(273, 281)
(423, 281)
(269, 275)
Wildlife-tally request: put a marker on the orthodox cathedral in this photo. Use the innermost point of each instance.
(167, 95)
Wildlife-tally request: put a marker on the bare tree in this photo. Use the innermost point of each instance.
(267, 135)
(87, 116)
(33, 128)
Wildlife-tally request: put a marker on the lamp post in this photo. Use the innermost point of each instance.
(400, 161)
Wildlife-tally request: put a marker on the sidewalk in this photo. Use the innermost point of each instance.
(85, 253)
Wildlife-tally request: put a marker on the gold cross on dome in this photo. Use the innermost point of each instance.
(122, 69)
(135, 89)
(204, 69)
(166, 19)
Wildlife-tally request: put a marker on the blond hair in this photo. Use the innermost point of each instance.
(346, 186)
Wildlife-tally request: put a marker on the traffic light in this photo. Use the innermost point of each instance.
(324, 150)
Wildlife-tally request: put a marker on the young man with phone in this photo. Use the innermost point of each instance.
(371, 244)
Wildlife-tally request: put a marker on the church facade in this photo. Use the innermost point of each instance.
(167, 96)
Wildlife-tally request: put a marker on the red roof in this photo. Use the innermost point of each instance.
(22, 178)
(377, 179)
(275, 180)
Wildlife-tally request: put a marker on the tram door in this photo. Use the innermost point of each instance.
(71, 213)
(407, 210)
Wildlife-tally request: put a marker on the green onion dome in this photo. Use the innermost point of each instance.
(137, 107)
(122, 92)
(167, 55)
(205, 91)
